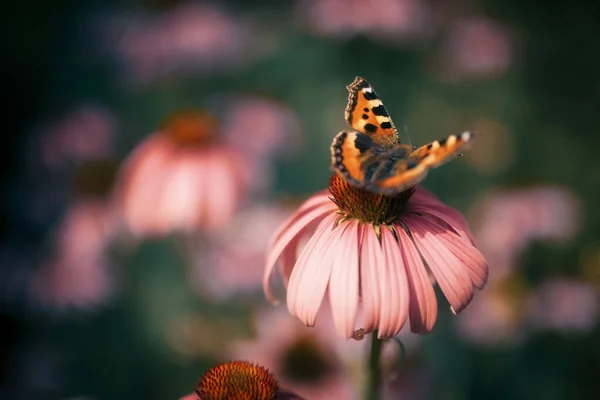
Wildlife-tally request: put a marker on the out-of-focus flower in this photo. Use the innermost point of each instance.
(307, 361)
(376, 256)
(564, 305)
(77, 271)
(394, 20)
(476, 47)
(275, 130)
(181, 178)
(193, 37)
(233, 261)
(86, 133)
(504, 222)
(240, 380)
(497, 315)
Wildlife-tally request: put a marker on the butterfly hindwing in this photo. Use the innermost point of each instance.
(366, 114)
(355, 156)
(413, 169)
(441, 151)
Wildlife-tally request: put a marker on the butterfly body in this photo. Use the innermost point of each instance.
(372, 156)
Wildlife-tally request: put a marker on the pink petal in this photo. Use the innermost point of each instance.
(370, 259)
(310, 277)
(295, 227)
(393, 287)
(314, 201)
(472, 259)
(449, 271)
(222, 198)
(343, 284)
(423, 304)
(423, 200)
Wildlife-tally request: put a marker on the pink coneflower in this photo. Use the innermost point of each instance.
(308, 362)
(77, 272)
(240, 380)
(564, 305)
(181, 178)
(376, 256)
(506, 221)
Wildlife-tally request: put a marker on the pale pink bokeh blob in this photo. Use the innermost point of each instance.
(233, 261)
(564, 305)
(384, 283)
(193, 37)
(382, 19)
(505, 222)
(164, 187)
(86, 133)
(477, 47)
(260, 129)
(77, 272)
(495, 319)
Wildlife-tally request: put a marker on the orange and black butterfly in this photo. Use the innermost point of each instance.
(372, 156)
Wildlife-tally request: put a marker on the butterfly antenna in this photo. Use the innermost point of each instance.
(408, 135)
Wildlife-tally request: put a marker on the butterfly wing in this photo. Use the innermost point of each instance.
(403, 173)
(355, 156)
(366, 114)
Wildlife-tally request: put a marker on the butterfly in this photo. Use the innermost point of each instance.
(372, 157)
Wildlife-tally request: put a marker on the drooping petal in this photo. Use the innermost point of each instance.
(297, 226)
(472, 259)
(449, 271)
(314, 201)
(423, 201)
(423, 304)
(222, 202)
(310, 277)
(394, 290)
(344, 283)
(371, 260)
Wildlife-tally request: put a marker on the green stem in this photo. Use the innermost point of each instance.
(373, 390)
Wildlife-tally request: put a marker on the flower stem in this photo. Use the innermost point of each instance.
(373, 390)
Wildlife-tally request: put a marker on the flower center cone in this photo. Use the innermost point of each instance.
(238, 380)
(367, 206)
(191, 128)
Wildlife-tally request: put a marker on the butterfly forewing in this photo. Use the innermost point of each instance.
(366, 114)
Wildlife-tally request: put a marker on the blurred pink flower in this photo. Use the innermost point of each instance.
(234, 260)
(86, 133)
(496, 318)
(375, 255)
(564, 305)
(383, 19)
(194, 37)
(77, 272)
(505, 222)
(275, 130)
(181, 178)
(306, 361)
(476, 47)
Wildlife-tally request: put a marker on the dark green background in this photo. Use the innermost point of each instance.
(549, 100)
